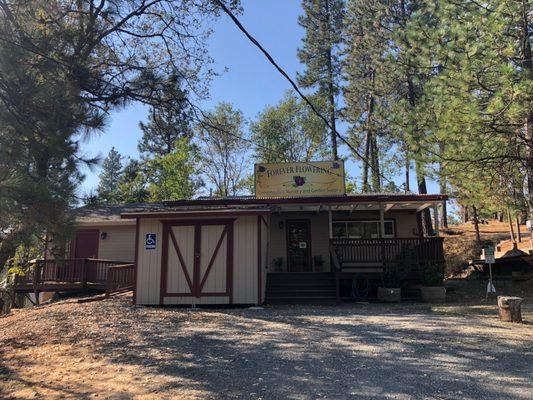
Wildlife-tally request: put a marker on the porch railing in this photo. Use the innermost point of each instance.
(74, 270)
(120, 278)
(414, 252)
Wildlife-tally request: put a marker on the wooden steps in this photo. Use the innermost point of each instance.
(300, 288)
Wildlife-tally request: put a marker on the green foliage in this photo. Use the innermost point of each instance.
(278, 263)
(223, 144)
(288, 132)
(132, 183)
(320, 51)
(166, 124)
(433, 275)
(63, 67)
(391, 276)
(321, 54)
(477, 103)
(173, 176)
(108, 187)
(24, 254)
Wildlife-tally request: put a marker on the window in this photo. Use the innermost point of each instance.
(362, 229)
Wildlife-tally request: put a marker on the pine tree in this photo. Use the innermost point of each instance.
(166, 124)
(479, 104)
(108, 189)
(132, 183)
(321, 55)
(63, 66)
(173, 176)
(367, 90)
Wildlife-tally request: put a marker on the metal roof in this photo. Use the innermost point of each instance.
(242, 204)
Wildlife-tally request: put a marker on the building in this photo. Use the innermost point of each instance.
(304, 240)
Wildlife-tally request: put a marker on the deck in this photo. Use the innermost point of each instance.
(75, 274)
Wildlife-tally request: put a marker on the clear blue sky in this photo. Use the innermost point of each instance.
(250, 83)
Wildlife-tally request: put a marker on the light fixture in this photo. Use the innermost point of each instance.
(103, 235)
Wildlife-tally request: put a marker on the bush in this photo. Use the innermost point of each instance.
(433, 275)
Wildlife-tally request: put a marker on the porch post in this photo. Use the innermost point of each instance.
(330, 223)
(436, 211)
(382, 231)
(381, 220)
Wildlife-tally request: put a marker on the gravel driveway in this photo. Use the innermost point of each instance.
(110, 350)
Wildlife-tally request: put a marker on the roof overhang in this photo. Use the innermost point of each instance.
(330, 200)
(197, 213)
(95, 223)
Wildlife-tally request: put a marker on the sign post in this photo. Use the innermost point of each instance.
(489, 259)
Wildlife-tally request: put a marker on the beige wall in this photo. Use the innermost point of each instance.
(265, 246)
(319, 236)
(405, 222)
(119, 244)
(244, 265)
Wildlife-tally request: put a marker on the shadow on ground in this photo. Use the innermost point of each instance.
(303, 352)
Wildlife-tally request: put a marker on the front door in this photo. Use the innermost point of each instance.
(298, 246)
(86, 246)
(86, 243)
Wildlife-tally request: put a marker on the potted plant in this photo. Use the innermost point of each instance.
(432, 289)
(318, 261)
(390, 291)
(278, 264)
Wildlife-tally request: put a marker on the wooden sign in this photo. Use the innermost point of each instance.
(304, 179)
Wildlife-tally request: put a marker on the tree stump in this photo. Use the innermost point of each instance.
(509, 308)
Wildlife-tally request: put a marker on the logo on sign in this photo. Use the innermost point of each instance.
(150, 241)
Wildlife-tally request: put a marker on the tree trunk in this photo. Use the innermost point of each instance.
(510, 220)
(444, 213)
(466, 217)
(331, 94)
(510, 309)
(476, 225)
(518, 233)
(376, 176)
(365, 187)
(422, 189)
(407, 171)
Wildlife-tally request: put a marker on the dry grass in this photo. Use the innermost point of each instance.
(111, 350)
(460, 242)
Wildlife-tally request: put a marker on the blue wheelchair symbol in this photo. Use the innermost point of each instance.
(150, 241)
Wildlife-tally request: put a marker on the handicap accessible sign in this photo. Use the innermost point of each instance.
(150, 241)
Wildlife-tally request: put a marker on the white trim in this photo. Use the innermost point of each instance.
(376, 221)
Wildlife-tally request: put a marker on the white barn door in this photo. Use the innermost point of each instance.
(197, 259)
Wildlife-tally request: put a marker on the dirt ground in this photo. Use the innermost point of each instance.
(110, 350)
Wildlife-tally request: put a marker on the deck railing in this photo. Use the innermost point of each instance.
(75, 270)
(412, 252)
(120, 278)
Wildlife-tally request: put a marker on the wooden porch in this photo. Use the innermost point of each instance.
(75, 274)
(350, 258)
(373, 255)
